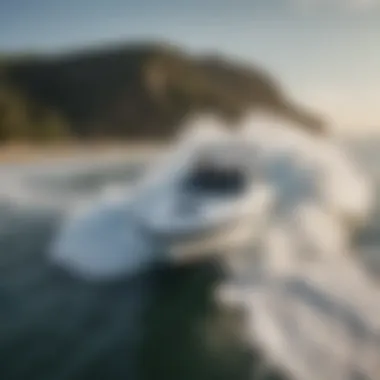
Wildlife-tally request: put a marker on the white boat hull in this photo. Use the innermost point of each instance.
(226, 239)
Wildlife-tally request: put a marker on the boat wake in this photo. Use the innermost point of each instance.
(310, 306)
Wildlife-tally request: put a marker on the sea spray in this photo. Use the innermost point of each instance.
(311, 308)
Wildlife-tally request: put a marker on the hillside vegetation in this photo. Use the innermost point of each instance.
(135, 91)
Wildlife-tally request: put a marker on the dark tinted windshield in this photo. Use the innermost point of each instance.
(211, 178)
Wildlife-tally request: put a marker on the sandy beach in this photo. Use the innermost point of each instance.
(21, 154)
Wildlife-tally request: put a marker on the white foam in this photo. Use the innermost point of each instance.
(311, 307)
(54, 183)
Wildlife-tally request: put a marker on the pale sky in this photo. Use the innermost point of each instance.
(325, 52)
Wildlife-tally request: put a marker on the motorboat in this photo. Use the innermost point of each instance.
(202, 198)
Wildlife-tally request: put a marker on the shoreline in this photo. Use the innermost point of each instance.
(24, 153)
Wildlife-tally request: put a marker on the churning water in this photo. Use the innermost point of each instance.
(306, 305)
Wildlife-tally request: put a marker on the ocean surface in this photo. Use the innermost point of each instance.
(162, 324)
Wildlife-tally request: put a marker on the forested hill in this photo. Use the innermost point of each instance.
(130, 91)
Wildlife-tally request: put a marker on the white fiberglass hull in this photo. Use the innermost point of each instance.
(150, 224)
(235, 231)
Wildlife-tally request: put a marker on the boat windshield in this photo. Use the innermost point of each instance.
(216, 179)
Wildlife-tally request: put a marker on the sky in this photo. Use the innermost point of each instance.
(324, 52)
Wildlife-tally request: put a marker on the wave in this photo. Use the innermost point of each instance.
(67, 183)
(310, 305)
